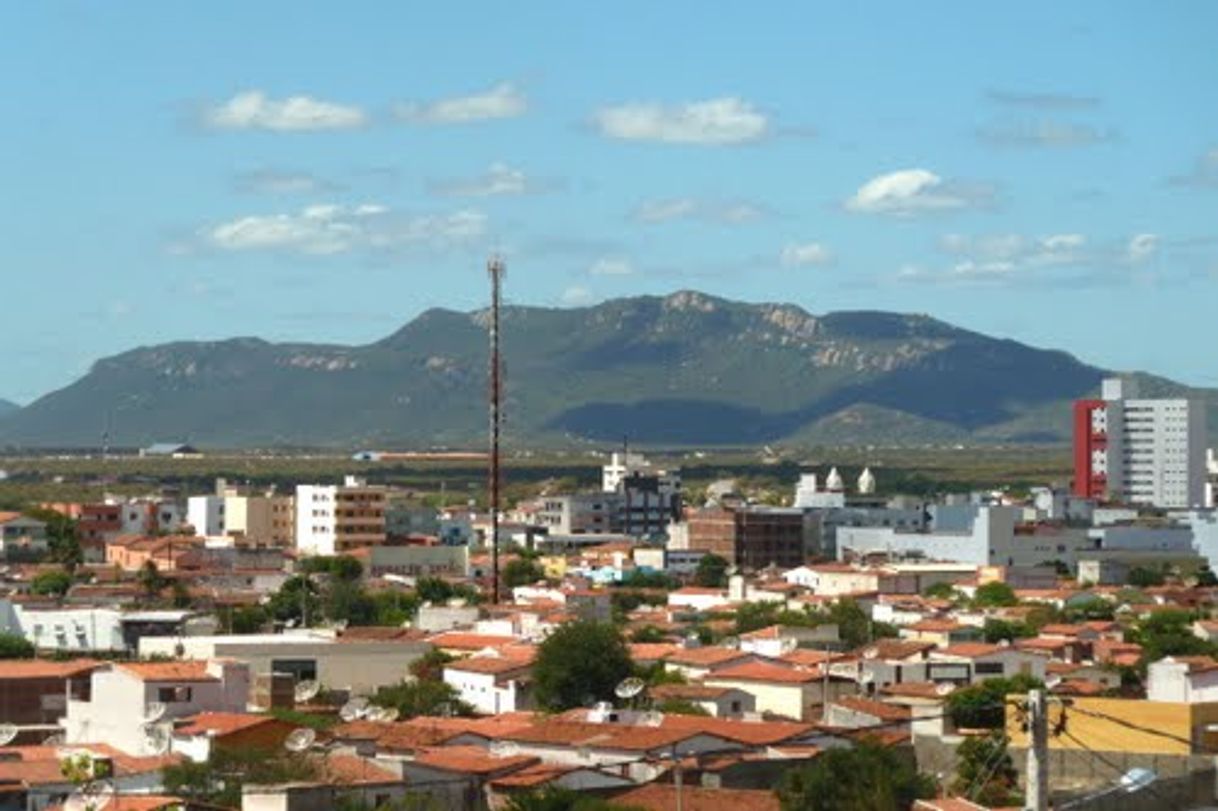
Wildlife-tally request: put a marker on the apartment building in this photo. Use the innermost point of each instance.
(257, 519)
(751, 537)
(1140, 451)
(333, 519)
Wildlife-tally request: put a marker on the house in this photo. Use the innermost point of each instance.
(198, 736)
(719, 702)
(31, 777)
(129, 701)
(1187, 679)
(942, 632)
(698, 598)
(698, 662)
(172, 450)
(852, 712)
(21, 537)
(34, 693)
(776, 640)
(664, 797)
(347, 662)
(779, 689)
(986, 661)
(492, 684)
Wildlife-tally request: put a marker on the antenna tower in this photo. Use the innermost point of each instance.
(496, 270)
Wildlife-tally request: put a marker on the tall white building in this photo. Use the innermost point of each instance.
(1155, 449)
(335, 519)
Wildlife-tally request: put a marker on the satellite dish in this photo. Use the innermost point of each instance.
(629, 687)
(871, 653)
(360, 703)
(156, 738)
(299, 740)
(349, 712)
(307, 691)
(154, 712)
(98, 793)
(603, 707)
(389, 714)
(504, 749)
(54, 740)
(947, 688)
(652, 718)
(8, 733)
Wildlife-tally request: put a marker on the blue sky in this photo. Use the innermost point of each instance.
(1043, 171)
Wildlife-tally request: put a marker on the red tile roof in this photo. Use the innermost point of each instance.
(765, 672)
(221, 723)
(13, 669)
(663, 797)
(169, 671)
(471, 760)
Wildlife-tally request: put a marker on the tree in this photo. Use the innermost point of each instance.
(219, 780)
(643, 579)
(150, 579)
(430, 666)
(54, 583)
(865, 777)
(413, 699)
(995, 595)
(246, 619)
(15, 646)
(648, 633)
(1144, 577)
(340, 567)
(1206, 576)
(345, 601)
(521, 572)
(554, 798)
(996, 630)
(1091, 607)
(61, 536)
(940, 591)
(985, 772)
(1169, 633)
(437, 591)
(680, 706)
(295, 599)
(580, 663)
(711, 572)
(983, 705)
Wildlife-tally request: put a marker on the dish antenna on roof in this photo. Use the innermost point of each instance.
(871, 653)
(652, 718)
(307, 691)
(504, 749)
(299, 740)
(8, 732)
(154, 712)
(947, 688)
(389, 714)
(156, 738)
(629, 687)
(54, 740)
(351, 712)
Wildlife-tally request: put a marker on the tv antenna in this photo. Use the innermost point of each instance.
(299, 740)
(496, 270)
(306, 691)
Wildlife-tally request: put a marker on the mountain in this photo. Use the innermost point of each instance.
(687, 368)
(8, 407)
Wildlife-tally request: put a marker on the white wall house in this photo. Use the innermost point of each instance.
(122, 697)
(206, 515)
(492, 684)
(1192, 680)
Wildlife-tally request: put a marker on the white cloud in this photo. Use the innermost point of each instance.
(1042, 100)
(504, 100)
(808, 253)
(332, 229)
(654, 212)
(909, 192)
(1141, 247)
(714, 122)
(276, 181)
(1018, 250)
(576, 296)
(252, 110)
(1043, 133)
(1204, 173)
(498, 180)
(611, 267)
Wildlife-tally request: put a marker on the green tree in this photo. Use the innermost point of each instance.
(522, 572)
(711, 572)
(219, 780)
(62, 542)
(1093, 607)
(983, 705)
(340, 567)
(643, 579)
(54, 583)
(15, 646)
(580, 663)
(1144, 577)
(985, 772)
(1169, 633)
(680, 706)
(295, 599)
(417, 698)
(995, 595)
(940, 591)
(430, 666)
(247, 619)
(554, 798)
(345, 601)
(150, 579)
(437, 591)
(1206, 577)
(648, 633)
(996, 630)
(865, 777)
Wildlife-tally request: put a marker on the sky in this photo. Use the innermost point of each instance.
(1041, 171)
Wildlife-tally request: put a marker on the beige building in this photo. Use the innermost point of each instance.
(335, 519)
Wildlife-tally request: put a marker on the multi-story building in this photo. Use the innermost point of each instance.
(21, 535)
(333, 519)
(635, 500)
(1140, 451)
(258, 519)
(751, 537)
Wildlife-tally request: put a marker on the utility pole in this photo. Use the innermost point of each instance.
(496, 270)
(1037, 793)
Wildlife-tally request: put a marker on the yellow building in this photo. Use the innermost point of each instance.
(1131, 725)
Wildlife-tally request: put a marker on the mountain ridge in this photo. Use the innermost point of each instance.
(686, 368)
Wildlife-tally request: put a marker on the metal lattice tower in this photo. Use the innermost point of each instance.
(496, 270)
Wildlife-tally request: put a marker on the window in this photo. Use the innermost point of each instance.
(988, 668)
(300, 669)
(173, 695)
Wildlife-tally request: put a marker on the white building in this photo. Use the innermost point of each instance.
(333, 519)
(129, 700)
(1156, 448)
(206, 515)
(1187, 679)
(492, 684)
